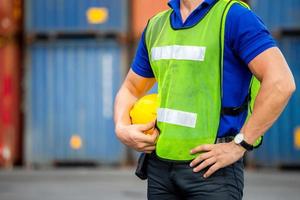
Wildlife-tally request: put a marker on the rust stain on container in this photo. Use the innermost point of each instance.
(97, 15)
(10, 139)
(142, 11)
(297, 138)
(75, 142)
(10, 16)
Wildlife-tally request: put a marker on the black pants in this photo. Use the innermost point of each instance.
(177, 181)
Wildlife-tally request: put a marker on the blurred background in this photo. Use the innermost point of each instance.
(61, 64)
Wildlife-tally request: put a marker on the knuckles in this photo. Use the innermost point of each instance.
(205, 163)
(203, 148)
(140, 146)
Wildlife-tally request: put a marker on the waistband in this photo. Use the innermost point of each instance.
(218, 140)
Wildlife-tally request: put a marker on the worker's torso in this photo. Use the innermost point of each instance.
(188, 65)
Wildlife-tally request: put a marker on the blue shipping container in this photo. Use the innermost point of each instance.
(278, 14)
(280, 145)
(81, 16)
(70, 89)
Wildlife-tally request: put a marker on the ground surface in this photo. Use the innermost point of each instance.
(113, 184)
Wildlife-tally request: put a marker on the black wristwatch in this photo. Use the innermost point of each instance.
(239, 139)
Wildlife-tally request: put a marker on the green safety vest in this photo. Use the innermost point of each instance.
(188, 66)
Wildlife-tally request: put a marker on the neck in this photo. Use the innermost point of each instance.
(190, 5)
(187, 7)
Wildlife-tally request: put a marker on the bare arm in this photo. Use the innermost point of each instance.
(277, 85)
(133, 88)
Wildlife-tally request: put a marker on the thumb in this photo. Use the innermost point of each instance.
(148, 126)
(154, 136)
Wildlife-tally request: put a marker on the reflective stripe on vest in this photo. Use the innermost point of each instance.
(177, 117)
(178, 52)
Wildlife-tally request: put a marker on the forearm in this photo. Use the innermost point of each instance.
(270, 102)
(123, 103)
(133, 136)
(133, 88)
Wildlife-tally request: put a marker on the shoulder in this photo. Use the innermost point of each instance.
(159, 17)
(237, 9)
(246, 34)
(156, 23)
(161, 14)
(242, 17)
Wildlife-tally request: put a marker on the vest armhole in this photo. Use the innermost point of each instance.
(147, 27)
(159, 14)
(243, 4)
(145, 38)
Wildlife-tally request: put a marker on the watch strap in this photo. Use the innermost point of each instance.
(247, 146)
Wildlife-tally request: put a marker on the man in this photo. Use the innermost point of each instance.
(202, 53)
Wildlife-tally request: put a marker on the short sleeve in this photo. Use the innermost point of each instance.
(246, 33)
(141, 64)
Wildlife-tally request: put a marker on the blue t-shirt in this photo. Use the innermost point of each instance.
(245, 37)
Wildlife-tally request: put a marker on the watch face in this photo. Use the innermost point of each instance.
(239, 138)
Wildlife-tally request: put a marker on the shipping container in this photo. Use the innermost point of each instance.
(281, 146)
(70, 89)
(278, 14)
(10, 138)
(76, 16)
(142, 11)
(10, 16)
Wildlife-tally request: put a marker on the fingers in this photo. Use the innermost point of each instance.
(154, 135)
(212, 170)
(146, 127)
(145, 147)
(149, 149)
(148, 152)
(205, 164)
(217, 157)
(150, 131)
(150, 139)
(146, 142)
(202, 148)
(201, 158)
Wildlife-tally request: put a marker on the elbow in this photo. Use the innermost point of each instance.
(117, 133)
(119, 130)
(286, 88)
(291, 88)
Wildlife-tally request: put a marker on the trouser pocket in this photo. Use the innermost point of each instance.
(234, 176)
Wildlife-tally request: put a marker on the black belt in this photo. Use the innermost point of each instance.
(234, 111)
(224, 139)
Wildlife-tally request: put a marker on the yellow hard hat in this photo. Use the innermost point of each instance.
(144, 110)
